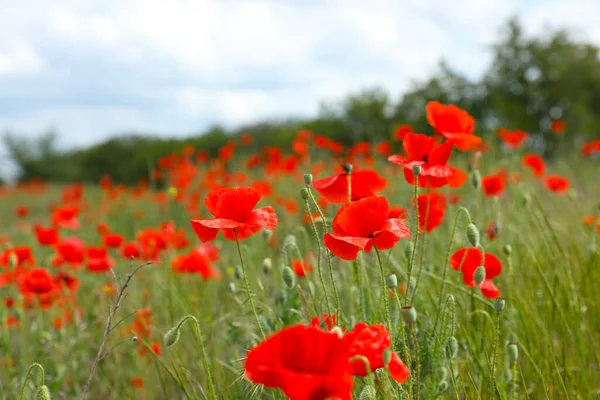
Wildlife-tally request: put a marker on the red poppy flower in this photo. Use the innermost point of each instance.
(130, 249)
(305, 362)
(558, 126)
(493, 230)
(454, 123)
(19, 255)
(325, 319)
(384, 148)
(468, 259)
(37, 281)
(535, 163)
(70, 250)
(300, 268)
(21, 211)
(364, 183)
(113, 240)
(401, 131)
(398, 212)
(199, 260)
(234, 210)
(556, 183)
(371, 342)
(66, 217)
(67, 281)
(363, 224)
(513, 139)
(591, 147)
(494, 185)
(432, 209)
(46, 236)
(422, 150)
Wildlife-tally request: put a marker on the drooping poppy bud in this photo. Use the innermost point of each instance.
(479, 275)
(499, 303)
(473, 235)
(304, 194)
(368, 393)
(452, 347)
(42, 393)
(391, 281)
(476, 179)
(172, 336)
(289, 278)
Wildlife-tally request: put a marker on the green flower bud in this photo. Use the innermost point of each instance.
(232, 288)
(409, 314)
(42, 393)
(238, 272)
(441, 373)
(266, 234)
(507, 250)
(513, 353)
(289, 278)
(391, 281)
(499, 303)
(452, 347)
(289, 240)
(416, 170)
(443, 386)
(408, 249)
(304, 194)
(267, 265)
(368, 393)
(338, 331)
(473, 235)
(308, 179)
(476, 179)
(172, 336)
(479, 275)
(387, 356)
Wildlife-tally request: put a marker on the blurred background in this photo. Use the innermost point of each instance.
(89, 87)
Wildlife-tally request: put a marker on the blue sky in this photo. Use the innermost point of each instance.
(93, 69)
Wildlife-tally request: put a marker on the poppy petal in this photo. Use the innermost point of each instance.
(361, 218)
(489, 290)
(345, 247)
(398, 370)
(235, 203)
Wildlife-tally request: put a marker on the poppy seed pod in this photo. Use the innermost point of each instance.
(308, 179)
(304, 194)
(348, 168)
(476, 179)
(507, 250)
(499, 303)
(416, 170)
(391, 281)
(42, 393)
(452, 347)
(238, 272)
(479, 275)
(232, 288)
(172, 336)
(368, 393)
(513, 352)
(473, 235)
(409, 315)
(288, 277)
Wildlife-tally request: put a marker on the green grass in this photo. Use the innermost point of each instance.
(550, 283)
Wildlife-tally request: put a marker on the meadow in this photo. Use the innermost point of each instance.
(419, 267)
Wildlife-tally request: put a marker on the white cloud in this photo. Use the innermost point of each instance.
(19, 58)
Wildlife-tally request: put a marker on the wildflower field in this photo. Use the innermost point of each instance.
(428, 265)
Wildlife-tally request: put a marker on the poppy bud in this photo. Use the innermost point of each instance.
(308, 179)
(13, 259)
(42, 393)
(172, 336)
(441, 374)
(443, 386)
(452, 347)
(238, 272)
(507, 250)
(288, 277)
(416, 170)
(348, 168)
(499, 303)
(513, 353)
(368, 393)
(387, 356)
(304, 194)
(267, 265)
(232, 288)
(289, 240)
(473, 235)
(266, 234)
(409, 314)
(479, 275)
(476, 179)
(391, 281)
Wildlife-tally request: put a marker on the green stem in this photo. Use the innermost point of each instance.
(446, 263)
(495, 356)
(384, 293)
(175, 377)
(412, 297)
(237, 242)
(42, 380)
(416, 225)
(319, 254)
(417, 367)
(335, 291)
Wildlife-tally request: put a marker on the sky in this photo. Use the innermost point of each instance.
(94, 69)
